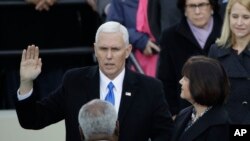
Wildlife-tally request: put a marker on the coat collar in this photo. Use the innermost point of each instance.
(224, 51)
(184, 30)
(181, 121)
(216, 115)
(93, 77)
(231, 63)
(128, 93)
(247, 50)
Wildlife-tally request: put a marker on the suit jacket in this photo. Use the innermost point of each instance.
(238, 104)
(177, 45)
(142, 115)
(212, 126)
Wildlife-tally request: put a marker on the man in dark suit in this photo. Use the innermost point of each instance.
(139, 100)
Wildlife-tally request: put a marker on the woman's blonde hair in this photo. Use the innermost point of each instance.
(227, 37)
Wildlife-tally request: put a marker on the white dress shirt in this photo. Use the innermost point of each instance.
(118, 81)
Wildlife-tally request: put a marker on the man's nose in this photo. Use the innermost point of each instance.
(109, 53)
(197, 10)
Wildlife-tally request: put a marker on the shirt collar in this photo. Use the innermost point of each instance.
(118, 81)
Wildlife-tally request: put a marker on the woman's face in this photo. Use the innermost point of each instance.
(198, 12)
(240, 21)
(185, 91)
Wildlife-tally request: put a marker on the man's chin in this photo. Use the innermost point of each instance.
(109, 72)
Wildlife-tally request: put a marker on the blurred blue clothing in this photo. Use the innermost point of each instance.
(124, 12)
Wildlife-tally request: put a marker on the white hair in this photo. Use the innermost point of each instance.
(113, 27)
(97, 117)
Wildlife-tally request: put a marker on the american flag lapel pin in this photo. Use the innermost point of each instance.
(128, 93)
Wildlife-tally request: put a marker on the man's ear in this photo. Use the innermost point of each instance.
(95, 48)
(129, 50)
(81, 133)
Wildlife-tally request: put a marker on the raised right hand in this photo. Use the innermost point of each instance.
(30, 68)
(31, 64)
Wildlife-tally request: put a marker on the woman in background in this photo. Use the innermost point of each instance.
(232, 49)
(193, 35)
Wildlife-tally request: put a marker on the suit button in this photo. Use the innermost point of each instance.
(244, 103)
(248, 78)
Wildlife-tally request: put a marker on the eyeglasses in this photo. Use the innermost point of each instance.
(201, 6)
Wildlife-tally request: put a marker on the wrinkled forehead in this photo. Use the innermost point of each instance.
(110, 39)
(196, 1)
(108, 35)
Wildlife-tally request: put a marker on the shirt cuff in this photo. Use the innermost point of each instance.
(22, 97)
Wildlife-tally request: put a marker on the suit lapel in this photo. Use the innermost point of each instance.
(128, 94)
(93, 81)
(201, 125)
(231, 63)
(185, 31)
(215, 33)
(182, 122)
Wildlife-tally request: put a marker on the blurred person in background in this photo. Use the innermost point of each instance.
(193, 35)
(145, 21)
(232, 49)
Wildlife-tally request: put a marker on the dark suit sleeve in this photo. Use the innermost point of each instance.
(36, 114)
(162, 119)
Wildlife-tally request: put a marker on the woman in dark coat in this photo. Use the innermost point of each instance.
(205, 85)
(232, 49)
(193, 35)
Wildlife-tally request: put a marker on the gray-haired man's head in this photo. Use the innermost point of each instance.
(113, 27)
(97, 117)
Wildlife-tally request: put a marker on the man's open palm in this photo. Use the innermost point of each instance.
(31, 64)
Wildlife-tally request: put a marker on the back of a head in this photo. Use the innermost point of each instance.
(97, 117)
(113, 27)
